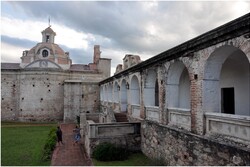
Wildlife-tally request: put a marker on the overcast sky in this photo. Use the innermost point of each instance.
(119, 27)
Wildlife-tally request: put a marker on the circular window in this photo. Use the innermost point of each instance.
(45, 53)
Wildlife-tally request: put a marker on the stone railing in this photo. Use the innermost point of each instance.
(180, 117)
(135, 111)
(235, 127)
(152, 113)
(126, 135)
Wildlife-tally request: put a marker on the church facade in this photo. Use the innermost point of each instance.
(46, 86)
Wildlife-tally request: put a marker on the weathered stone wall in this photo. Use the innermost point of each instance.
(32, 95)
(126, 135)
(80, 97)
(9, 96)
(177, 147)
(38, 94)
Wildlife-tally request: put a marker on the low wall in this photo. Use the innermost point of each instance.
(136, 110)
(178, 147)
(234, 127)
(123, 134)
(152, 113)
(179, 117)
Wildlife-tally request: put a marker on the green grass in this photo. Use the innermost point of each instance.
(22, 143)
(136, 159)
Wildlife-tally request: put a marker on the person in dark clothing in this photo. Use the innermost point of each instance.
(59, 135)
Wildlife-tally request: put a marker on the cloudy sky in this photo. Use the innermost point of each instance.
(145, 28)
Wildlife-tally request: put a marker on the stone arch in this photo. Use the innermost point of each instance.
(116, 92)
(135, 90)
(151, 96)
(124, 97)
(178, 86)
(227, 70)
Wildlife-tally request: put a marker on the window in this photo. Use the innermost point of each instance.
(45, 53)
(47, 38)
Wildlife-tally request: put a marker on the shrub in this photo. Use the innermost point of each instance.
(49, 145)
(157, 162)
(110, 152)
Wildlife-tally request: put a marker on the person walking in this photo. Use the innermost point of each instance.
(59, 135)
(77, 135)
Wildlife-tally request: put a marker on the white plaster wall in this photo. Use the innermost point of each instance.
(110, 92)
(123, 96)
(178, 86)
(235, 73)
(116, 92)
(184, 90)
(101, 93)
(135, 91)
(149, 89)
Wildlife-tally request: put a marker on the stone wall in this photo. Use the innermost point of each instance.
(32, 95)
(80, 97)
(177, 147)
(126, 135)
(40, 94)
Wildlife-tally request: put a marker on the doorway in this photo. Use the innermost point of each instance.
(227, 101)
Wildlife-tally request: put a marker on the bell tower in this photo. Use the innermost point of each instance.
(48, 35)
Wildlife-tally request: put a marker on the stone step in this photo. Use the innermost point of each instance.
(121, 117)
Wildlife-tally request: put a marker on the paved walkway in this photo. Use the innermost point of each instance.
(69, 154)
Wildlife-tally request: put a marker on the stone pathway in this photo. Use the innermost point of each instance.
(69, 154)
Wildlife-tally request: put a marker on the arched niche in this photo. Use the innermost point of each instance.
(135, 90)
(124, 101)
(105, 93)
(151, 96)
(226, 82)
(116, 92)
(110, 92)
(178, 87)
(102, 93)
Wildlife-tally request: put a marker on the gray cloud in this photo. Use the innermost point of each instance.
(126, 25)
(18, 42)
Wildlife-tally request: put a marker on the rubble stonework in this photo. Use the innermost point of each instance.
(177, 148)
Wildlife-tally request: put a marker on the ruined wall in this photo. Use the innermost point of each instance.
(9, 96)
(41, 96)
(38, 94)
(32, 95)
(177, 147)
(104, 66)
(80, 96)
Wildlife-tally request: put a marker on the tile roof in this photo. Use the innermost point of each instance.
(9, 66)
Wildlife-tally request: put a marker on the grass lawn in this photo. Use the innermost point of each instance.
(22, 143)
(136, 159)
